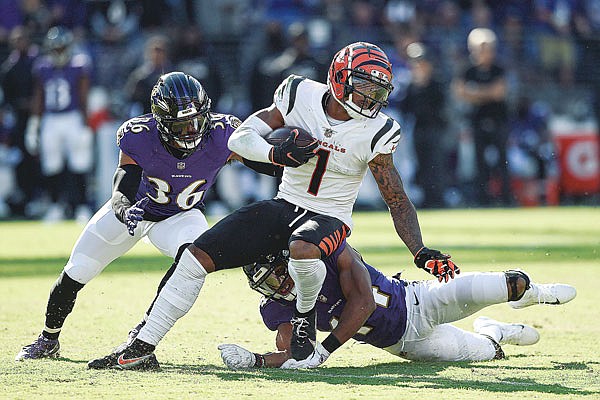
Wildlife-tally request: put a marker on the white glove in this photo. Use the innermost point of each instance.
(32, 135)
(318, 357)
(236, 357)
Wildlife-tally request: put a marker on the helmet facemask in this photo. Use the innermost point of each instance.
(360, 78)
(366, 95)
(181, 108)
(272, 278)
(184, 136)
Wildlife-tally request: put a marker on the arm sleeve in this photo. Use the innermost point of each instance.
(125, 185)
(264, 168)
(247, 140)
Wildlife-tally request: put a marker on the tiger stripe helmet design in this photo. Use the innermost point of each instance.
(181, 108)
(360, 79)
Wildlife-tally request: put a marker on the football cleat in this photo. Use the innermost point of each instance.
(516, 334)
(130, 337)
(134, 332)
(304, 334)
(548, 293)
(131, 357)
(40, 348)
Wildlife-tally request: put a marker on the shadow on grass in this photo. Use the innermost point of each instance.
(53, 265)
(509, 253)
(39, 266)
(402, 375)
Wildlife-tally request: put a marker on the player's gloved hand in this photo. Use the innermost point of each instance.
(32, 135)
(436, 263)
(236, 357)
(289, 154)
(318, 357)
(134, 214)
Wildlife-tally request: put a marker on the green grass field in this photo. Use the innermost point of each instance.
(552, 244)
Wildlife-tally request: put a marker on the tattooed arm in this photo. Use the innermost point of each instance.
(401, 208)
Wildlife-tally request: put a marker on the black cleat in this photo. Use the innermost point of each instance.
(137, 356)
(304, 334)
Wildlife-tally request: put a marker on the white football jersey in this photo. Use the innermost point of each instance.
(328, 184)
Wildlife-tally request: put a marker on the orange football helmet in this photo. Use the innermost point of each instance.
(360, 79)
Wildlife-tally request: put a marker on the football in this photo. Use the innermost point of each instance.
(280, 135)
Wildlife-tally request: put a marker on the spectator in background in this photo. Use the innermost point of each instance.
(141, 81)
(193, 56)
(587, 24)
(17, 85)
(114, 25)
(57, 127)
(532, 155)
(264, 78)
(297, 58)
(425, 104)
(553, 19)
(364, 23)
(71, 14)
(483, 87)
(10, 17)
(36, 18)
(445, 36)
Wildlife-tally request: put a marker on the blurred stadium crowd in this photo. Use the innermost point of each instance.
(542, 137)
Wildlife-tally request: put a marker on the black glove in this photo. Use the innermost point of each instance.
(436, 263)
(289, 154)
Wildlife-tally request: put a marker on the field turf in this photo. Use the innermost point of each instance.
(552, 244)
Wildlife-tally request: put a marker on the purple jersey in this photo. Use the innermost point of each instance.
(384, 327)
(61, 84)
(175, 185)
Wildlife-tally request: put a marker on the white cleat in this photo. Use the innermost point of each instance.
(548, 293)
(515, 334)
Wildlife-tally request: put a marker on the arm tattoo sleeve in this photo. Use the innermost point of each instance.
(401, 208)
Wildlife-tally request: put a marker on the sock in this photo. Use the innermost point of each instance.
(54, 185)
(60, 304)
(78, 195)
(308, 276)
(175, 299)
(166, 277)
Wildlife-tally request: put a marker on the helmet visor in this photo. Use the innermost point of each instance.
(273, 282)
(188, 134)
(373, 93)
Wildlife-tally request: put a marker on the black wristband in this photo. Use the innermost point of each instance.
(331, 343)
(259, 360)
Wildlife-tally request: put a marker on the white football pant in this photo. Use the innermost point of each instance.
(65, 137)
(432, 305)
(105, 238)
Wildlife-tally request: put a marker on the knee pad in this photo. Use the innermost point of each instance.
(512, 278)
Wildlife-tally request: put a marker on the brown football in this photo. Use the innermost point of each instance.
(280, 135)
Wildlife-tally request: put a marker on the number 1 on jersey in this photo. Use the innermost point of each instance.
(317, 176)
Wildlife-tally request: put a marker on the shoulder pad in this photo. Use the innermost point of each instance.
(135, 125)
(223, 120)
(386, 137)
(285, 94)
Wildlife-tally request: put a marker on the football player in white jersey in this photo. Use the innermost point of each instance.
(311, 213)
